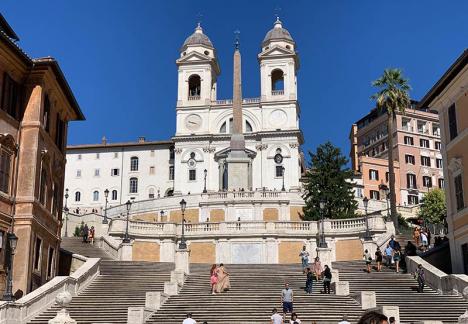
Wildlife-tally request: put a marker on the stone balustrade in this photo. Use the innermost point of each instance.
(26, 308)
(335, 227)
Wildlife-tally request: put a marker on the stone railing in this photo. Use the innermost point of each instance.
(229, 101)
(26, 308)
(277, 92)
(167, 204)
(445, 284)
(110, 245)
(246, 228)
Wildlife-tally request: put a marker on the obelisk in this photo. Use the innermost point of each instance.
(238, 162)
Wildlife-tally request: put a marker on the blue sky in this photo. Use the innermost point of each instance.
(119, 56)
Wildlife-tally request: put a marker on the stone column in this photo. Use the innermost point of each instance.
(325, 255)
(126, 253)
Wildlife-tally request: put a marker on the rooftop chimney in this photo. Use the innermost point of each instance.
(141, 139)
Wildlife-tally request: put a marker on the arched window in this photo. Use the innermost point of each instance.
(223, 128)
(77, 196)
(151, 193)
(114, 195)
(194, 86)
(95, 195)
(277, 80)
(133, 163)
(248, 127)
(133, 185)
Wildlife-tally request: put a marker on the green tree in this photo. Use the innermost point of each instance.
(327, 180)
(433, 208)
(393, 98)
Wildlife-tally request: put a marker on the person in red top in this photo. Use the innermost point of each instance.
(213, 278)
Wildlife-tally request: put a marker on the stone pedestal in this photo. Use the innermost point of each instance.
(238, 171)
(335, 276)
(368, 299)
(325, 255)
(155, 299)
(63, 317)
(341, 288)
(126, 253)
(178, 276)
(171, 288)
(463, 319)
(370, 246)
(136, 315)
(182, 263)
(391, 311)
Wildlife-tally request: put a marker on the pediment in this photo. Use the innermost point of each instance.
(276, 50)
(194, 57)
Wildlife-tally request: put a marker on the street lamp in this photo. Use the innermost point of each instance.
(282, 173)
(106, 195)
(322, 242)
(126, 238)
(66, 210)
(12, 241)
(182, 243)
(204, 188)
(367, 235)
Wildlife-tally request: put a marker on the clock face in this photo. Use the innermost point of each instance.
(193, 122)
(192, 163)
(278, 118)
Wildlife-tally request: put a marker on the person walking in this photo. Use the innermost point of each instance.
(397, 259)
(223, 283)
(421, 278)
(309, 281)
(344, 320)
(92, 232)
(275, 317)
(287, 299)
(327, 276)
(378, 259)
(424, 242)
(213, 278)
(388, 256)
(189, 319)
(373, 317)
(368, 258)
(304, 258)
(416, 234)
(85, 233)
(318, 268)
(294, 319)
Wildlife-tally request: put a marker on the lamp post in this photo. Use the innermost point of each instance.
(322, 242)
(182, 243)
(66, 210)
(204, 187)
(12, 240)
(282, 174)
(367, 235)
(106, 195)
(126, 237)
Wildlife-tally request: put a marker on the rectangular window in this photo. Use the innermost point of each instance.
(435, 130)
(152, 153)
(426, 161)
(441, 183)
(37, 254)
(387, 176)
(171, 172)
(358, 192)
(409, 159)
(427, 182)
(373, 174)
(78, 173)
(50, 263)
(114, 195)
(424, 143)
(79, 157)
(96, 172)
(279, 171)
(192, 175)
(5, 166)
(98, 156)
(374, 194)
(452, 122)
(422, 127)
(439, 163)
(413, 200)
(406, 124)
(59, 132)
(115, 172)
(411, 181)
(43, 187)
(151, 170)
(437, 145)
(459, 192)
(464, 249)
(55, 201)
(11, 97)
(134, 163)
(46, 115)
(116, 155)
(408, 140)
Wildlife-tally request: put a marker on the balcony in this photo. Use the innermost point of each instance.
(193, 98)
(277, 92)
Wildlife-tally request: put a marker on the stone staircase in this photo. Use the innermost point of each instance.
(256, 289)
(401, 290)
(76, 245)
(120, 285)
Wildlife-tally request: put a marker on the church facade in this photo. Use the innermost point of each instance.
(194, 161)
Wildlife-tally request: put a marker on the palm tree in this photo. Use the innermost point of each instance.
(393, 98)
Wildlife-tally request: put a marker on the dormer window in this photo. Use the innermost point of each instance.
(277, 82)
(194, 87)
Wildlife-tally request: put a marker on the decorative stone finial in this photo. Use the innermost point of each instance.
(199, 29)
(278, 23)
(63, 299)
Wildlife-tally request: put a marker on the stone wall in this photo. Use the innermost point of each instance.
(270, 214)
(146, 251)
(296, 212)
(202, 252)
(191, 215)
(347, 250)
(288, 251)
(217, 215)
